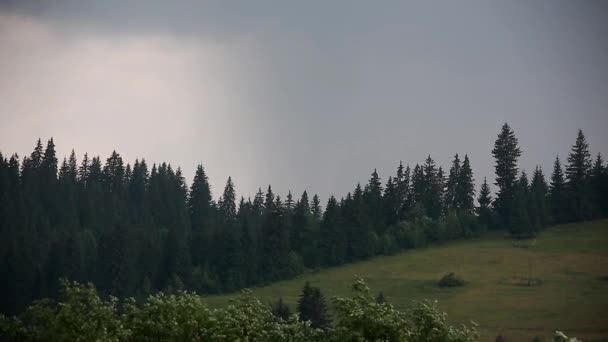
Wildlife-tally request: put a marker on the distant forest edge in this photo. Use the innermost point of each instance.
(133, 231)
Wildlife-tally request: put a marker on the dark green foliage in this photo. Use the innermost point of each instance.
(599, 186)
(333, 240)
(557, 194)
(506, 153)
(521, 224)
(80, 314)
(312, 307)
(452, 183)
(465, 187)
(135, 230)
(484, 211)
(380, 299)
(540, 211)
(577, 180)
(280, 310)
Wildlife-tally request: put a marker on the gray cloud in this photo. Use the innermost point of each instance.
(310, 95)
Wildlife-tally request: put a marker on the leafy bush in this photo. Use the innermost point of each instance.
(81, 315)
(451, 280)
(561, 337)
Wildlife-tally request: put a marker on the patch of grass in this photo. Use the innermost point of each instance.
(571, 260)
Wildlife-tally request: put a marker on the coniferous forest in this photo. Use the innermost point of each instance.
(133, 229)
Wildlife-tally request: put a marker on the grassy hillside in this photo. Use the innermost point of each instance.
(571, 262)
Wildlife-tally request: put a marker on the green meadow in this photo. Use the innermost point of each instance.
(567, 266)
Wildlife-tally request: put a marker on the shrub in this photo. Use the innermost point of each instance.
(80, 315)
(451, 280)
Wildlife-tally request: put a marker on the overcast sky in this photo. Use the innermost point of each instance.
(308, 95)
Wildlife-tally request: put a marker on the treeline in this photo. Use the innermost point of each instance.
(133, 229)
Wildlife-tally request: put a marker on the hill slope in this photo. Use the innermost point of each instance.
(571, 262)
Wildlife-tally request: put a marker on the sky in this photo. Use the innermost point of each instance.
(303, 95)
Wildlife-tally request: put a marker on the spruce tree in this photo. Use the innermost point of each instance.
(227, 209)
(433, 189)
(485, 201)
(506, 153)
(316, 208)
(373, 201)
(597, 180)
(465, 187)
(577, 180)
(521, 225)
(362, 242)
(312, 307)
(402, 187)
(418, 187)
(539, 189)
(280, 310)
(201, 210)
(557, 193)
(333, 239)
(451, 184)
(391, 202)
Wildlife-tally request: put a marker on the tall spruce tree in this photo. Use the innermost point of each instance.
(506, 153)
(452, 183)
(402, 187)
(465, 187)
(433, 189)
(577, 179)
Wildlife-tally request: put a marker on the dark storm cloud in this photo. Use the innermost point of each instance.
(315, 94)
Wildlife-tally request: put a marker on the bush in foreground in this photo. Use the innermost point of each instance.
(80, 314)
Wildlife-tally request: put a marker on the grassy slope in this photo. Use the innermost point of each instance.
(568, 259)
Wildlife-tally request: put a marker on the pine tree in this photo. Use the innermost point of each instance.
(275, 240)
(485, 200)
(451, 184)
(391, 202)
(506, 152)
(521, 225)
(229, 242)
(289, 203)
(597, 185)
(418, 187)
(577, 182)
(333, 239)
(465, 187)
(316, 208)
(83, 170)
(373, 200)
(539, 189)
(402, 187)
(301, 223)
(361, 239)
(557, 193)
(312, 307)
(433, 189)
(280, 310)
(201, 210)
(227, 209)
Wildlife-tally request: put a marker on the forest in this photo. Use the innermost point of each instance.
(133, 230)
